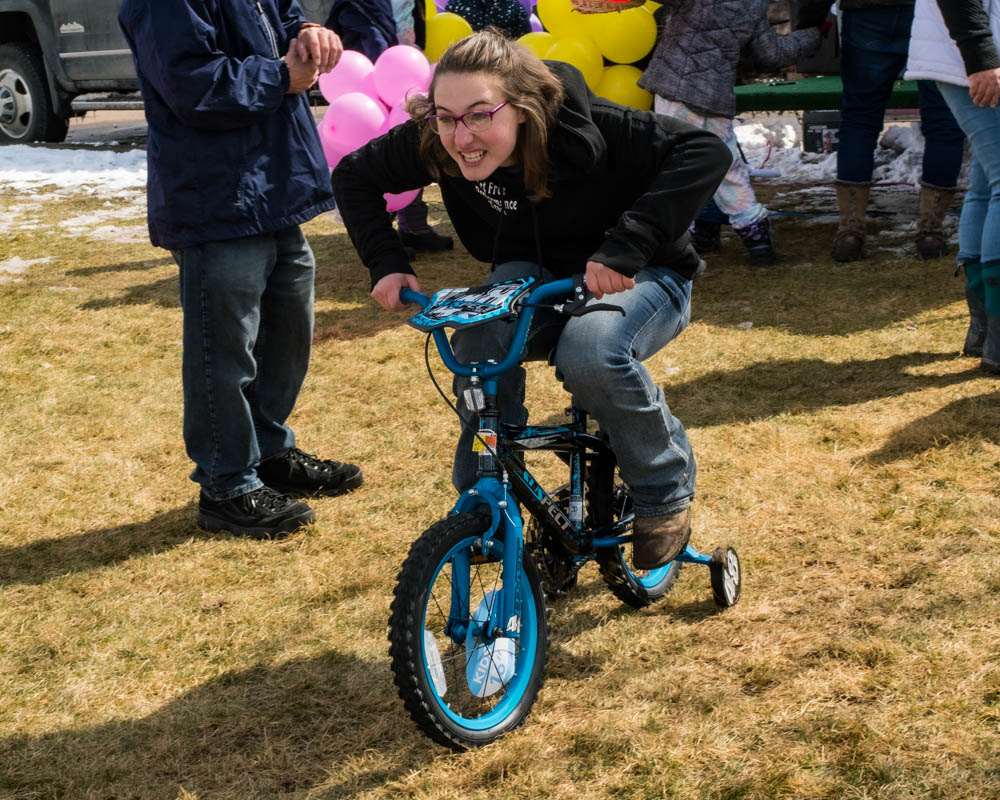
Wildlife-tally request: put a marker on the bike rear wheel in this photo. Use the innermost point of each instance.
(461, 684)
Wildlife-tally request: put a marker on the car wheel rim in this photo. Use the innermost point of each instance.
(16, 110)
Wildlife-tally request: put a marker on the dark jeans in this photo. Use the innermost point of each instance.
(874, 42)
(248, 324)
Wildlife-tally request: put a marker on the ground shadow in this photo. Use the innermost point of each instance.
(267, 731)
(127, 266)
(43, 560)
(807, 293)
(770, 388)
(976, 417)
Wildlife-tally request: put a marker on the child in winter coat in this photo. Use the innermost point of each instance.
(692, 73)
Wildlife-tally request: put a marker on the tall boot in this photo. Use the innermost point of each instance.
(933, 205)
(975, 295)
(852, 201)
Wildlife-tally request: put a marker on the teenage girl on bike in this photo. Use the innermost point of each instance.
(540, 177)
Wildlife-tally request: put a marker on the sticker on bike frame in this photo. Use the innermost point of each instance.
(463, 308)
(483, 440)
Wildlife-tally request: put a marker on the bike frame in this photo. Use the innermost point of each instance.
(503, 476)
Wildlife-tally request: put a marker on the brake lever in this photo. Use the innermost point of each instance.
(576, 309)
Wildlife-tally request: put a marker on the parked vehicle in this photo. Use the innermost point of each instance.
(54, 51)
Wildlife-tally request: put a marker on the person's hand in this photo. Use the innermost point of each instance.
(301, 73)
(602, 280)
(984, 87)
(319, 45)
(386, 291)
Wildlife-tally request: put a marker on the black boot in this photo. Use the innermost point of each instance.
(757, 239)
(414, 231)
(705, 236)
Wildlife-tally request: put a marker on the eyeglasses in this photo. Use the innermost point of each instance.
(445, 124)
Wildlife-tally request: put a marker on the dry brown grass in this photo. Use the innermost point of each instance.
(844, 448)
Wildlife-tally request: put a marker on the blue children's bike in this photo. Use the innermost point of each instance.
(468, 630)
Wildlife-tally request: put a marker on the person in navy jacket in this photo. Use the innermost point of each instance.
(234, 166)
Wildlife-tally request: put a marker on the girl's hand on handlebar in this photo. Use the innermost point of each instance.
(386, 291)
(602, 280)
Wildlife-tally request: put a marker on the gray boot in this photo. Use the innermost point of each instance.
(932, 206)
(852, 201)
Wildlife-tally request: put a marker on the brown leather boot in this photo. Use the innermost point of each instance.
(659, 540)
(852, 201)
(933, 205)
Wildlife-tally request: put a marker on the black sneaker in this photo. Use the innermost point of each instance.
(260, 514)
(296, 472)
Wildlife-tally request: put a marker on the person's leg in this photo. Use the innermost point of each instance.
(979, 223)
(282, 353)
(943, 151)
(221, 286)
(735, 199)
(871, 60)
(599, 359)
(414, 230)
(284, 341)
(492, 341)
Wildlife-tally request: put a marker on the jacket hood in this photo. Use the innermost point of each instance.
(576, 144)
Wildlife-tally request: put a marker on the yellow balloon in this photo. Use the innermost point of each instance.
(627, 36)
(443, 30)
(652, 5)
(620, 84)
(538, 42)
(430, 9)
(582, 54)
(557, 16)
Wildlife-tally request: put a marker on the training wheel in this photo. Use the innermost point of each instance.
(727, 577)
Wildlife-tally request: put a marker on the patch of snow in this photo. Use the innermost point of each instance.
(18, 265)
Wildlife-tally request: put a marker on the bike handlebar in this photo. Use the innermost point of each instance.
(563, 286)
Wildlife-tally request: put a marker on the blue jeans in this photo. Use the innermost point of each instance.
(599, 359)
(248, 324)
(979, 225)
(874, 42)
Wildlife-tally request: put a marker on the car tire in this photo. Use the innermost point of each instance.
(26, 113)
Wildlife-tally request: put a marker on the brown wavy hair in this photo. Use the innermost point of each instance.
(527, 84)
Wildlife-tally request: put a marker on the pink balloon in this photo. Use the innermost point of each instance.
(399, 70)
(398, 115)
(353, 73)
(394, 202)
(333, 154)
(352, 120)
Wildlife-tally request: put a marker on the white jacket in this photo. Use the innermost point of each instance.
(933, 53)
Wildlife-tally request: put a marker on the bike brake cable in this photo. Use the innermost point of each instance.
(447, 400)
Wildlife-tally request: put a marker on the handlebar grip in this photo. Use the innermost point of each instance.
(407, 295)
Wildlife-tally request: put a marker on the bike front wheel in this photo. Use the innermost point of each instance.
(465, 675)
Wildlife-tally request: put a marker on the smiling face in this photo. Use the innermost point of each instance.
(477, 153)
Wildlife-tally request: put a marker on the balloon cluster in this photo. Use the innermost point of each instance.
(587, 40)
(366, 100)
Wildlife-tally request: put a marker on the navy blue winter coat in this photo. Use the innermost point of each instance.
(364, 25)
(230, 153)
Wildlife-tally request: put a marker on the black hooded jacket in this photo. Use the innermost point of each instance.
(625, 186)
